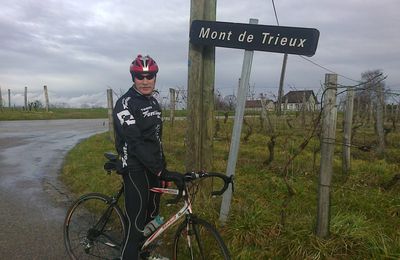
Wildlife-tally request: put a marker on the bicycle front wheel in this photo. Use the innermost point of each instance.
(94, 228)
(198, 239)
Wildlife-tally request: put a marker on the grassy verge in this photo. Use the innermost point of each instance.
(77, 113)
(263, 223)
(55, 113)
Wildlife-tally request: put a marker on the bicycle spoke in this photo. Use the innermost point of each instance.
(199, 240)
(94, 229)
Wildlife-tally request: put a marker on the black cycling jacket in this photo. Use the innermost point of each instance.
(138, 132)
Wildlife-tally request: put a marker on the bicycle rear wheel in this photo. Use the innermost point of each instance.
(198, 239)
(94, 228)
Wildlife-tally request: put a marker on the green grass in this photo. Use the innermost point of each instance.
(83, 166)
(263, 223)
(54, 113)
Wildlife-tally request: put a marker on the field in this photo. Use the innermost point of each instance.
(69, 113)
(54, 113)
(274, 208)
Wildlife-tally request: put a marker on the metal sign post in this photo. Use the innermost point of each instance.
(237, 128)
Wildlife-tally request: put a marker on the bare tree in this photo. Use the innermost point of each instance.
(181, 96)
(372, 98)
(219, 101)
(366, 97)
(231, 101)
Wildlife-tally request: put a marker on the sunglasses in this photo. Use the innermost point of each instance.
(141, 77)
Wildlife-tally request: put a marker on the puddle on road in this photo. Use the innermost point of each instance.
(11, 141)
(31, 159)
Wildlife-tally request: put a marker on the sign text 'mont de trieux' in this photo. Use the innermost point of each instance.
(291, 40)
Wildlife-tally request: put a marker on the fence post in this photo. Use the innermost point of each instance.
(26, 99)
(397, 112)
(379, 120)
(266, 122)
(327, 148)
(357, 108)
(303, 111)
(1, 99)
(237, 128)
(370, 111)
(9, 98)
(110, 105)
(172, 100)
(392, 113)
(285, 108)
(46, 98)
(348, 122)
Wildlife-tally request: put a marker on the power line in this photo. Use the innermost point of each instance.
(329, 70)
(276, 16)
(313, 62)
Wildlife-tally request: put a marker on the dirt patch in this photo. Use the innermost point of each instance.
(57, 192)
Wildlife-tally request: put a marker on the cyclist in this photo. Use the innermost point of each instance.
(138, 135)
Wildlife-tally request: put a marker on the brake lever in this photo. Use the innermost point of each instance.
(177, 198)
(227, 180)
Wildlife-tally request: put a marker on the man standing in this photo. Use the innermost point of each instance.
(138, 130)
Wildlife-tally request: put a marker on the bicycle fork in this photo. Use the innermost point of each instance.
(193, 237)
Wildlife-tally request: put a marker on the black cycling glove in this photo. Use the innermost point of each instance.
(175, 177)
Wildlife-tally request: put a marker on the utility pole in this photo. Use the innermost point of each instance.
(200, 93)
(281, 81)
(328, 136)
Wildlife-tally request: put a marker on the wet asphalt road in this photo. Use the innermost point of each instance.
(33, 201)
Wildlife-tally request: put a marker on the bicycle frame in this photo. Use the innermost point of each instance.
(185, 210)
(185, 193)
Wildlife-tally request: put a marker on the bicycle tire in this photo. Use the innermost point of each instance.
(83, 240)
(197, 239)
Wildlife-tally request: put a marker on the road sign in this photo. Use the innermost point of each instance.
(282, 39)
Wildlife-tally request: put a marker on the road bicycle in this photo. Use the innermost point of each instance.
(95, 226)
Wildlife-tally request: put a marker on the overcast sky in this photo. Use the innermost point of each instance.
(81, 48)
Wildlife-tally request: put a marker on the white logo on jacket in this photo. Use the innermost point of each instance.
(152, 113)
(126, 117)
(147, 113)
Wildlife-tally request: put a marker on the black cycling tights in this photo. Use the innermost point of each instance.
(141, 206)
